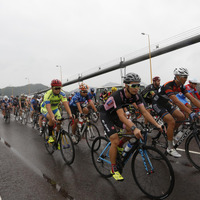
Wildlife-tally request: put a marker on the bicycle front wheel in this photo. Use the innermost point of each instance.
(100, 156)
(67, 148)
(192, 149)
(91, 133)
(154, 177)
(49, 146)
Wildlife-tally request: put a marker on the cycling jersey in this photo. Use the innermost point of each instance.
(168, 89)
(192, 91)
(23, 101)
(15, 102)
(91, 96)
(119, 100)
(77, 98)
(6, 103)
(148, 92)
(54, 100)
(182, 98)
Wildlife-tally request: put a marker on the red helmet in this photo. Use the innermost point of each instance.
(83, 86)
(56, 82)
(156, 78)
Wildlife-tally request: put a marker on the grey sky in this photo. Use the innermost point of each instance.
(79, 35)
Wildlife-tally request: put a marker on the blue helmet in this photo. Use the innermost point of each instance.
(92, 90)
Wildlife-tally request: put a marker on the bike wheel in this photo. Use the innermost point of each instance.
(67, 148)
(49, 146)
(77, 135)
(154, 177)
(100, 156)
(91, 133)
(192, 149)
(25, 118)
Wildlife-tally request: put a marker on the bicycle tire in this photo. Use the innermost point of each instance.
(91, 133)
(49, 146)
(192, 149)
(159, 182)
(67, 148)
(103, 166)
(77, 135)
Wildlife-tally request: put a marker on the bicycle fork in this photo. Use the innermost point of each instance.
(145, 157)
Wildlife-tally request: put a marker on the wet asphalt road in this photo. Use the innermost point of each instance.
(27, 171)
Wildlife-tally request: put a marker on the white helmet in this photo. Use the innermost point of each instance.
(193, 80)
(181, 72)
(5, 97)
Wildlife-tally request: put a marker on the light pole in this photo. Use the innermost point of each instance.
(28, 85)
(149, 55)
(60, 72)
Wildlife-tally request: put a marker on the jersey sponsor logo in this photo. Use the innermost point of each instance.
(110, 102)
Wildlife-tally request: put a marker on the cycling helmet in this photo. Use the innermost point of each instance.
(193, 80)
(113, 89)
(22, 95)
(92, 90)
(83, 86)
(35, 96)
(156, 78)
(105, 89)
(181, 72)
(56, 82)
(131, 77)
(5, 97)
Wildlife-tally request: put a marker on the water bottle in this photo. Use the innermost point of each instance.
(127, 149)
(178, 136)
(80, 122)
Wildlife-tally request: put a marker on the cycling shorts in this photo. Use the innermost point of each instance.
(163, 110)
(109, 122)
(56, 112)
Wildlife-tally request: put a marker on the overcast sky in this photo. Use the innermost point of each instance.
(78, 35)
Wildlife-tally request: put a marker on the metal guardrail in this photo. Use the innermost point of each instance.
(123, 64)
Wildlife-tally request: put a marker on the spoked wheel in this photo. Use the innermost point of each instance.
(91, 133)
(67, 148)
(49, 146)
(100, 156)
(192, 149)
(77, 135)
(154, 177)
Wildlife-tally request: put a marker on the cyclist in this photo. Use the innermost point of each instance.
(104, 95)
(148, 93)
(92, 95)
(165, 109)
(49, 106)
(15, 104)
(34, 106)
(78, 105)
(112, 114)
(6, 103)
(22, 104)
(191, 88)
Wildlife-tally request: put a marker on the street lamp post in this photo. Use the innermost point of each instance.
(149, 55)
(60, 72)
(28, 85)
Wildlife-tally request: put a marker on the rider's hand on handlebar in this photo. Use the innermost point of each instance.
(137, 133)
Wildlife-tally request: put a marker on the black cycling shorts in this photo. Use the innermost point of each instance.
(163, 110)
(109, 121)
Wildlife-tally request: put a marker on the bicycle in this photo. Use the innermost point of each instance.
(35, 120)
(7, 115)
(62, 140)
(191, 131)
(88, 129)
(155, 178)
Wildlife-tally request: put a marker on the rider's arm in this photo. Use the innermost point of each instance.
(67, 108)
(20, 105)
(92, 105)
(79, 107)
(193, 100)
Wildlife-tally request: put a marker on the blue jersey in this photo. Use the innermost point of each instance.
(6, 103)
(91, 96)
(77, 98)
(34, 103)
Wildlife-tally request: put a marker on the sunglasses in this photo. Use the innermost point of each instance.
(57, 88)
(84, 92)
(184, 76)
(134, 85)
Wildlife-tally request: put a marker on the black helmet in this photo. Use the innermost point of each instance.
(131, 77)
